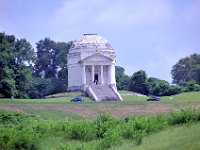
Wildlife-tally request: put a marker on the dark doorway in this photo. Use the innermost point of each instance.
(96, 78)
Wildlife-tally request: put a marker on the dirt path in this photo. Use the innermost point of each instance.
(93, 110)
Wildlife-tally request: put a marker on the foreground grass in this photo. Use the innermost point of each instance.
(175, 138)
(184, 137)
(22, 131)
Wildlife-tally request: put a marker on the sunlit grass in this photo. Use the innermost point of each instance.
(43, 100)
(125, 92)
(187, 97)
(65, 94)
(184, 137)
(175, 138)
(190, 97)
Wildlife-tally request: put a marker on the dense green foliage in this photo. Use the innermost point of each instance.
(138, 82)
(185, 73)
(162, 88)
(186, 69)
(50, 70)
(24, 73)
(16, 58)
(41, 87)
(20, 131)
(122, 79)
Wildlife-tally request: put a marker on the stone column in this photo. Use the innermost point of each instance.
(112, 75)
(102, 79)
(84, 75)
(92, 73)
(109, 74)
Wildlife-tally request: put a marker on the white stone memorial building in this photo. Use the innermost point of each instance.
(91, 68)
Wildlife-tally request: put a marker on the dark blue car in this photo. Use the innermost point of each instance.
(77, 99)
(153, 98)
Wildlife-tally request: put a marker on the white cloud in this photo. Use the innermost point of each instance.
(111, 14)
(148, 35)
(135, 13)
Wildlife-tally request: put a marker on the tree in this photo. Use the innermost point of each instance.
(186, 69)
(175, 89)
(138, 82)
(41, 87)
(122, 79)
(61, 61)
(7, 82)
(191, 86)
(161, 88)
(16, 60)
(152, 83)
(45, 65)
(24, 58)
(51, 64)
(196, 73)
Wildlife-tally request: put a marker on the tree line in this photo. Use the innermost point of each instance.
(185, 75)
(29, 73)
(26, 73)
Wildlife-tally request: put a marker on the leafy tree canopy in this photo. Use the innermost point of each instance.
(16, 58)
(51, 58)
(138, 82)
(122, 79)
(186, 69)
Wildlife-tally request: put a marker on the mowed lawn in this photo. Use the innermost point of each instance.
(62, 108)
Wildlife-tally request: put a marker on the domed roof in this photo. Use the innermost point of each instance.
(91, 42)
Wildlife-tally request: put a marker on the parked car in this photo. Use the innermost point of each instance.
(153, 98)
(77, 99)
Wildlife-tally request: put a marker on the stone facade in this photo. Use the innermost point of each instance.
(91, 68)
(91, 58)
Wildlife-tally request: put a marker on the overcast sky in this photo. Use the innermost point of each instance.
(150, 35)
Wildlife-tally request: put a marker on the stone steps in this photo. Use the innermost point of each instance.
(103, 93)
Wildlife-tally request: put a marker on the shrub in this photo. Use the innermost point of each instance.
(138, 126)
(26, 140)
(19, 131)
(191, 86)
(66, 147)
(104, 123)
(184, 116)
(11, 138)
(13, 117)
(82, 130)
(175, 90)
(111, 138)
(133, 127)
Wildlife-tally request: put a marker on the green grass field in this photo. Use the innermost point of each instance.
(62, 108)
(190, 97)
(174, 138)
